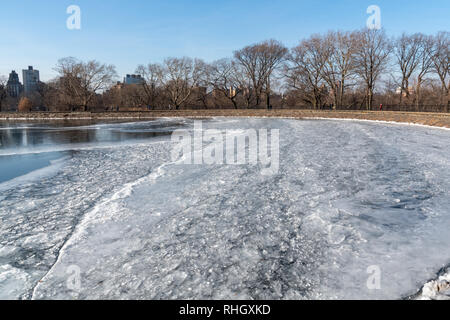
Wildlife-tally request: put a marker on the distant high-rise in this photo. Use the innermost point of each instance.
(30, 80)
(14, 87)
(133, 79)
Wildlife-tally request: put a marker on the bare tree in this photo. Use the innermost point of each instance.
(203, 90)
(340, 48)
(424, 66)
(272, 54)
(224, 78)
(244, 83)
(130, 96)
(306, 68)
(248, 58)
(407, 53)
(259, 62)
(152, 74)
(441, 59)
(179, 77)
(371, 59)
(82, 81)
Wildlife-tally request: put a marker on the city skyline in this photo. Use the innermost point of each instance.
(26, 84)
(139, 33)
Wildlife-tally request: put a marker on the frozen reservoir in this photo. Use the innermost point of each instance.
(357, 210)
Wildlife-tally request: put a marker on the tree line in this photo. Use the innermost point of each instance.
(338, 70)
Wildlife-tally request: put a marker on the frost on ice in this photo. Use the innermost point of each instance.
(348, 195)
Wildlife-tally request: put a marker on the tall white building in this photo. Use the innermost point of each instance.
(30, 80)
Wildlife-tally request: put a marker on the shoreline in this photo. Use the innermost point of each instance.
(418, 118)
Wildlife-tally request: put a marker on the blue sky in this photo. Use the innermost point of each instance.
(128, 33)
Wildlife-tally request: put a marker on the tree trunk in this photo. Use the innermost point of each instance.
(407, 88)
(419, 81)
(446, 99)
(341, 93)
(370, 99)
(234, 103)
(335, 97)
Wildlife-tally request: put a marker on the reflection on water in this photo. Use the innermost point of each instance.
(15, 135)
(28, 146)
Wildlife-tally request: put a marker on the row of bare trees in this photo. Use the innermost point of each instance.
(417, 56)
(80, 82)
(328, 65)
(339, 70)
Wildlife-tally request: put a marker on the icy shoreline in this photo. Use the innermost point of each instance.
(431, 119)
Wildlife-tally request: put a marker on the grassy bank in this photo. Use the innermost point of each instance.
(432, 119)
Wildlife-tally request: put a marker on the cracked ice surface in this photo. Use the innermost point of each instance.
(348, 195)
(39, 211)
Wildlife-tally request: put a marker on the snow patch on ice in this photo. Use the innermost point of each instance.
(378, 121)
(437, 289)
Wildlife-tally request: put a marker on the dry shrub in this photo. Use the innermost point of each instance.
(25, 105)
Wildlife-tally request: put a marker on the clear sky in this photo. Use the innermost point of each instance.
(132, 32)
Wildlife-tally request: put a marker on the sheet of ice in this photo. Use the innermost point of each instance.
(349, 195)
(39, 211)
